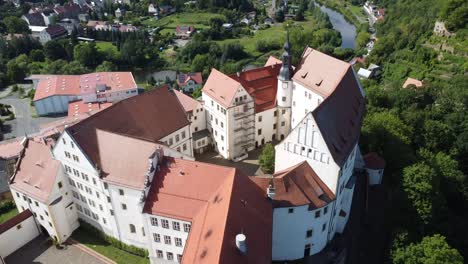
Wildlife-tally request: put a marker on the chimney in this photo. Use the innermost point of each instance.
(241, 243)
(271, 191)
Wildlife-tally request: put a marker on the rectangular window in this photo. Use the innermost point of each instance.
(67, 154)
(283, 123)
(179, 258)
(274, 126)
(317, 214)
(94, 181)
(157, 238)
(222, 138)
(121, 192)
(325, 210)
(73, 145)
(165, 223)
(132, 228)
(111, 212)
(187, 228)
(275, 113)
(309, 233)
(124, 206)
(159, 253)
(36, 203)
(106, 186)
(283, 111)
(291, 210)
(64, 142)
(183, 134)
(184, 147)
(154, 221)
(283, 98)
(177, 138)
(167, 240)
(178, 242)
(259, 132)
(171, 142)
(259, 118)
(101, 208)
(176, 226)
(170, 256)
(324, 226)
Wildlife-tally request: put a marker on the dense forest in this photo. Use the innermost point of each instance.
(422, 133)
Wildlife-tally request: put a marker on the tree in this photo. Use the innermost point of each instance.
(15, 25)
(54, 51)
(197, 92)
(420, 183)
(280, 16)
(267, 159)
(37, 55)
(86, 53)
(106, 66)
(431, 250)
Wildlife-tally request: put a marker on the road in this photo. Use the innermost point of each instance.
(24, 123)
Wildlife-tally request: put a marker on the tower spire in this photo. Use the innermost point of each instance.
(286, 70)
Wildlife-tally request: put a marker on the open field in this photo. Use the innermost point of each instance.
(6, 216)
(169, 23)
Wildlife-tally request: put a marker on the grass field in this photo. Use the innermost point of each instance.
(4, 217)
(101, 246)
(105, 46)
(169, 23)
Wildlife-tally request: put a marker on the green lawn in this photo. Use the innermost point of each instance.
(101, 246)
(4, 217)
(105, 46)
(169, 23)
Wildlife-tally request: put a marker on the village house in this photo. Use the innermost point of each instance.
(184, 31)
(52, 32)
(189, 81)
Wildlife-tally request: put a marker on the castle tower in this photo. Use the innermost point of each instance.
(284, 93)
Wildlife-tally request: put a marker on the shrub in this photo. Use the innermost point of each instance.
(7, 206)
(113, 241)
(267, 159)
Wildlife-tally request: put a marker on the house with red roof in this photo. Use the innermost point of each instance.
(55, 92)
(188, 82)
(184, 31)
(52, 32)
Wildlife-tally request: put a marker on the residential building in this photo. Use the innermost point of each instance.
(55, 92)
(184, 31)
(189, 81)
(441, 30)
(34, 19)
(52, 32)
(196, 115)
(69, 24)
(40, 185)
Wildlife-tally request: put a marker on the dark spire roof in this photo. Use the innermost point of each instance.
(286, 69)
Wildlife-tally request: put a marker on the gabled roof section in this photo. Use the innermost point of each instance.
(339, 117)
(319, 72)
(221, 88)
(149, 116)
(188, 103)
(272, 61)
(57, 85)
(261, 84)
(124, 160)
(36, 172)
(183, 78)
(297, 186)
(220, 202)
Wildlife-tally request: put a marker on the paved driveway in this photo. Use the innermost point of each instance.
(23, 123)
(39, 250)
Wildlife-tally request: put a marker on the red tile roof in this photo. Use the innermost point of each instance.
(11, 149)
(220, 202)
(57, 85)
(149, 116)
(36, 172)
(261, 84)
(124, 160)
(410, 81)
(56, 31)
(272, 61)
(221, 88)
(183, 78)
(319, 72)
(78, 108)
(187, 102)
(296, 186)
(50, 85)
(17, 219)
(374, 161)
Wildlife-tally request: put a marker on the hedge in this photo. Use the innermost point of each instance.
(113, 241)
(7, 206)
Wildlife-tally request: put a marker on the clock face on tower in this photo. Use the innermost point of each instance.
(285, 85)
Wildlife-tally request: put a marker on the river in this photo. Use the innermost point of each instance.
(347, 30)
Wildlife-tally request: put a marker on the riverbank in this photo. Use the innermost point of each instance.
(352, 14)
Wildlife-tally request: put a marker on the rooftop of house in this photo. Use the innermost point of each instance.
(185, 28)
(35, 19)
(297, 186)
(221, 88)
(261, 84)
(188, 103)
(272, 61)
(220, 202)
(49, 85)
(183, 78)
(11, 149)
(149, 116)
(124, 160)
(78, 108)
(36, 171)
(56, 30)
(374, 161)
(410, 81)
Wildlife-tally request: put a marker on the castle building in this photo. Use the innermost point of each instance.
(129, 170)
